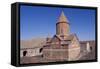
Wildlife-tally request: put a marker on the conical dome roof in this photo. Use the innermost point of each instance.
(63, 18)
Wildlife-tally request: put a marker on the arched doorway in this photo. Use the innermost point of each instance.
(24, 53)
(40, 50)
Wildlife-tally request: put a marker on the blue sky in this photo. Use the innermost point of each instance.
(37, 21)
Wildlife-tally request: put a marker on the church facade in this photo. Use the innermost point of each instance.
(63, 45)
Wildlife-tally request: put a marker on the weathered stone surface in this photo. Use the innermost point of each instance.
(82, 56)
(61, 47)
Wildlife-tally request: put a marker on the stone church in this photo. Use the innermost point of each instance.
(63, 45)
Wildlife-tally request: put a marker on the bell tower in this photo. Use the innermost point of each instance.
(62, 26)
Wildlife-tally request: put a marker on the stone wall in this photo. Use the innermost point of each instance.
(30, 52)
(55, 54)
(74, 50)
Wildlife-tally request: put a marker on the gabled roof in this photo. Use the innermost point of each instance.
(67, 37)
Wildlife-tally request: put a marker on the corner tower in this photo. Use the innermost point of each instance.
(62, 26)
